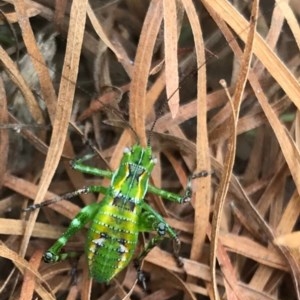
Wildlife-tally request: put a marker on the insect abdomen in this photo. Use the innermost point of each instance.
(111, 241)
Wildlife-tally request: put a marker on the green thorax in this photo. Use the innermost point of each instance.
(130, 180)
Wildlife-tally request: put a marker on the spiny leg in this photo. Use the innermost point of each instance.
(162, 226)
(78, 165)
(73, 272)
(89, 189)
(151, 220)
(86, 214)
(141, 276)
(175, 197)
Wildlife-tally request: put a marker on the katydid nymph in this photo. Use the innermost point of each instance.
(116, 221)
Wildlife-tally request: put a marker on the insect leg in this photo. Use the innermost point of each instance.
(151, 220)
(85, 190)
(175, 197)
(78, 165)
(84, 216)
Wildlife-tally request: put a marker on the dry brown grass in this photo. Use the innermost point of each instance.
(239, 234)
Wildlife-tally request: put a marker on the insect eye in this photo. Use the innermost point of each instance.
(127, 150)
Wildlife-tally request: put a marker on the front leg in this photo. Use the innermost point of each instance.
(175, 197)
(78, 165)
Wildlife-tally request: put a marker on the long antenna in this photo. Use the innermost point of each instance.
(160, 111)
(164, 103)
